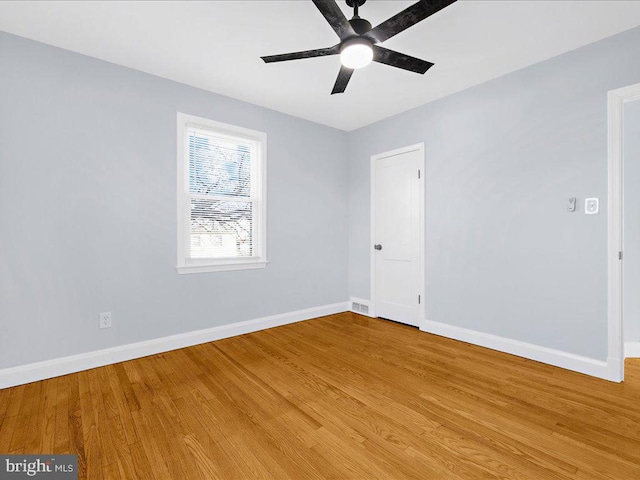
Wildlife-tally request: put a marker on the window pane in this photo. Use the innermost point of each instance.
(220, 229)
(218, 166)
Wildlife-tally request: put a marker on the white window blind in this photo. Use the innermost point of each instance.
(221, 212)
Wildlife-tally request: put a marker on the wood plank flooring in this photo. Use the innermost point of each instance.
(339, 397)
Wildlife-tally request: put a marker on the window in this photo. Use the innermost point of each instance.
(221, 196)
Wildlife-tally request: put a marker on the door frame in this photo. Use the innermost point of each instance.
(421, 228)
(615, 168)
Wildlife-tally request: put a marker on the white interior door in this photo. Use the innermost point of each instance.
(398, 232)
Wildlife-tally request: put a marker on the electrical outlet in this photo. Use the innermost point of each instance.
(591, 206)
(105, 320)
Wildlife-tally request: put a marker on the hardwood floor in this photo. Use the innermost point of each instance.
(337, 397)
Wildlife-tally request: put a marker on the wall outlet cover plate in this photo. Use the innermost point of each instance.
(591, 206)
(105, 320)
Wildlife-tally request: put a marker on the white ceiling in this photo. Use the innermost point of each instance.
(216, 45)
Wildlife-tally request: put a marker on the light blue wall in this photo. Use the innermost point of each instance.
(88, 204)
(88, 208)
(631, 189)
(503, 255)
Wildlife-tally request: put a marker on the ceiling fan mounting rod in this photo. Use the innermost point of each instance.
(355, 4)
(360, 25)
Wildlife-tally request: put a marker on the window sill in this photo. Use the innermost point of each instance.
(221, 267)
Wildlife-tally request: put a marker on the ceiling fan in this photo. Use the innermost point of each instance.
(358, 40)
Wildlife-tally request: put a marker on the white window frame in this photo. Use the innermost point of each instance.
(258, 192)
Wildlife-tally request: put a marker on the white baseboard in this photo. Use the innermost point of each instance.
(361, 301)
(607, 370)
(32, 372)
(631, 349)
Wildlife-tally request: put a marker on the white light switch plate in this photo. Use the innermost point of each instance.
(591, 206)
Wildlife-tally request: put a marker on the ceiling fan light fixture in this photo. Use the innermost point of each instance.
(356, 53)
(359, 42)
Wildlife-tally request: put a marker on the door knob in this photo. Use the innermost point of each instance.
(378, 247)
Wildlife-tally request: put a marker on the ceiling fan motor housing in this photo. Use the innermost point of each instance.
(360, 25)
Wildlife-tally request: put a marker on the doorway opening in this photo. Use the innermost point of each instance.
(617, 99)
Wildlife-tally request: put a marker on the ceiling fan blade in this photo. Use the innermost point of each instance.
(332, 13)
(407, 18)
(320, 52)
(344, 75)
(400, 60)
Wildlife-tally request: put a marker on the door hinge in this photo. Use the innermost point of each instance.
(418, 173)
(418, 299)
(619, 255)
